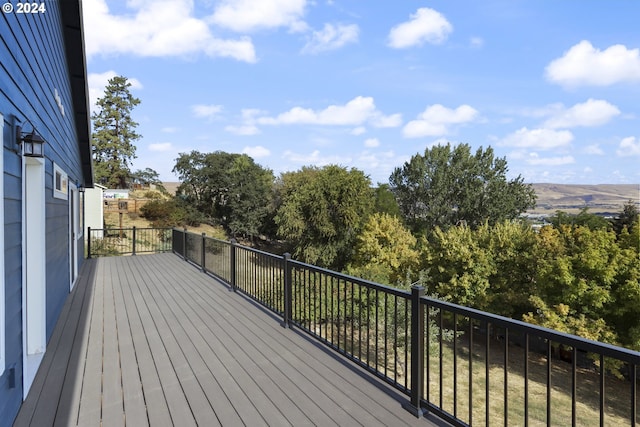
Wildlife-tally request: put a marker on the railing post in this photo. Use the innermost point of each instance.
(184, 243)
(134, 241)
(233, 264)
(204, 270)
(417, 353)
(89, 243)
(286, 321)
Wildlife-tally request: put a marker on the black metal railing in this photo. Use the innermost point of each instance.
(467, 366)
(127, 241)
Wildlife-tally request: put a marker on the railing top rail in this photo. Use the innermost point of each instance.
(129, 228)
(622, 353)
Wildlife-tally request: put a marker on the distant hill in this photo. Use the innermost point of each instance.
(171, 187)
(601, 198)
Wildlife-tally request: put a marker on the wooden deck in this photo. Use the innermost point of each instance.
(151, 340)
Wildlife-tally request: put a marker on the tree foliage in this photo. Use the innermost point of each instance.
(171, 213)
(385, 251)
(490, 268)
(147, 177)
(385, 201)
(321, 212)
(114, 134)
(570, 278)
(229, 187)
(583, 218)
(627, 218)
(448, 185)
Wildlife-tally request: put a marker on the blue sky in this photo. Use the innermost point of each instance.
(552, 86)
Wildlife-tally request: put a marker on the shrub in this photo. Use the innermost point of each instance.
(171, 213)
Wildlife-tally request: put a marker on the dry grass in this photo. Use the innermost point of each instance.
(389, 359)
(129, 220)
(617, 392)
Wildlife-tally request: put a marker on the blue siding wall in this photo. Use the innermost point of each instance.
(32, 68)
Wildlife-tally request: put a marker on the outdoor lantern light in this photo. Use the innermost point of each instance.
(33, 144)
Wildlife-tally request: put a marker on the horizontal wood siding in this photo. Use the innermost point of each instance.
(33, 67)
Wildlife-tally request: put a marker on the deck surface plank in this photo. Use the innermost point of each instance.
(156, 404)
(157, 342)
(112, 403)
(132, 394)
(90, 409)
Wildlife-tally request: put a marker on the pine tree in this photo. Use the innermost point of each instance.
(114, 134)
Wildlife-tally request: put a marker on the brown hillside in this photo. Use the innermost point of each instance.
(598, 198)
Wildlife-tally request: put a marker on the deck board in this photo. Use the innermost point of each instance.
(157, 342)
(132, 394)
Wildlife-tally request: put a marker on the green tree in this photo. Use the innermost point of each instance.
(147, 177)
(447, 186)
(229, 187)
(385, 251)
(627, 217)
(171, 213)
(577, 276)
(457, 267)
(583, 218)
(321, 211)
(385, 201)
(114, 134)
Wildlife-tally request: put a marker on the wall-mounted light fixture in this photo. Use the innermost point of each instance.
(33, 143)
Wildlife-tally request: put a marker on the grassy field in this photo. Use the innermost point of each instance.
(617, 391)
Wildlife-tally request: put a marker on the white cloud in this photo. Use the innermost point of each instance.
(392, 121)
(315, 158)
(252, 15)
(629, 146)
(97, 82)
(243, 130)
(372, 142)
(476, 42)
(593, 112)
(256, 152)
(535, 160)
(425, 26)
(248, 126)
(540, 139)
(585, 65)
(331, 38)
(169, 129)
(354, 113)
(358, 130)
(161, 146)
(436, 120)
(594, 150)
(156, 28)
(380, 165)
(206, 111)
